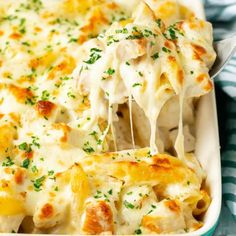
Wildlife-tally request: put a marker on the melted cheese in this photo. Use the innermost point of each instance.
(66, 67)
(142, 62)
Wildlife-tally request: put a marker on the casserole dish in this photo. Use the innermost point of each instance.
(207, 146)
(49, 212)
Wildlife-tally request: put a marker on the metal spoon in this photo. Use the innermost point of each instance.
(225, 49)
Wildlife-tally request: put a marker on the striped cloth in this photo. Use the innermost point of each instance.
(222, 13)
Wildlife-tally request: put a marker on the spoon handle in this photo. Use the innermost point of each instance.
(225, 49)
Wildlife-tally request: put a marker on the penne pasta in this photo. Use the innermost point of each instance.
(97, 116)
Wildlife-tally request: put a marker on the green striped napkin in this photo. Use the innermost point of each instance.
(222, 13)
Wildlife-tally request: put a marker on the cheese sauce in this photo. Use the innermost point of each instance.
(65, 69)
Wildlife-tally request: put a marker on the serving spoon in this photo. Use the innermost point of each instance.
(225, 49)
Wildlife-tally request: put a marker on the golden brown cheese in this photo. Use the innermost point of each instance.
(98, 218)
(57, 174)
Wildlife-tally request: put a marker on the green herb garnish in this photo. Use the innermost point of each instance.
(128, 205)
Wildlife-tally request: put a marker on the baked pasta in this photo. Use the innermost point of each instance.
(97, 114)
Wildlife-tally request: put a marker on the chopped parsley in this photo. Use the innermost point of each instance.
(122, 31)
(26, 44)
(139, 35)
(106, 198)
(65, 21)
(8, 162)
(35, 141)
(140, 73)
(26, 163)
(33, 5)
(110, 71)
(149, 154)
(164, 49)
(147, 33)
(87, 148)
(34, 169)
(94, 56)
(94, 133)
(96, 137)
(138, 231)
(172, 32)
(150, 212)
(136, 84)
(111, 40)
(22, 29)
(45, 95)
(136, 34)
(95, 50)
(159, 22)
(65, 78)
(155, 56)
(30, 101)
(9, 18)
(48, 48)
(98, 194)
(50, 172)
(99, 142)
(25, 147)
(73, 40)
(152, 44)
(38, 183)
(128, 205)
(71, 95)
